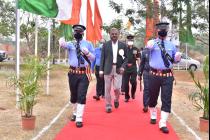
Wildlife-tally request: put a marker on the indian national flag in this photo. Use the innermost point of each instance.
(59, 9)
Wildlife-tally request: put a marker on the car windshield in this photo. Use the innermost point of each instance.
(185, 57)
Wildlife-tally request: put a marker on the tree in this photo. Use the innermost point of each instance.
(200, 15)
(27, 31)
(27, 27)
(188, 15)
(7, 18)
(149, 20)
(136, 17)
(117, 23)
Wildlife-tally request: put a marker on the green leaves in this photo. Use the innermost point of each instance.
(117, 7)
(206, 68)
(200, 99)
(129, 12)
(29, 84)
(117, 23)
(7, 20)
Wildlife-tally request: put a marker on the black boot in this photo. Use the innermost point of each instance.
(116, 104)
(153, 121)
(133, 96)
(97, 98)
(79, 124)
(145, 109)
(164, 129)
(73, 118)
(126, 100)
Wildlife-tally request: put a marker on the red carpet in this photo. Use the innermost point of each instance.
(128, 122)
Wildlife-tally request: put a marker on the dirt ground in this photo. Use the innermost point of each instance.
(49, 106)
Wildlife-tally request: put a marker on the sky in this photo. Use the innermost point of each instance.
(107, 13)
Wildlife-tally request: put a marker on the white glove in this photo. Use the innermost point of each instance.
(85, 51)
(177, 57)
(62, 42)
(150, 44)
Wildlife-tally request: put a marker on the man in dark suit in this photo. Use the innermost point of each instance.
(112, 65)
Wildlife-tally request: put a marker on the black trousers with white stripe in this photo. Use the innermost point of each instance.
(166, 85)
(78, 84)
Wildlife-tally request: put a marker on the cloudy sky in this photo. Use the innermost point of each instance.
(107, 13)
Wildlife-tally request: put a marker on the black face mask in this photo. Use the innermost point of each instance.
(78, 36)
(162, 33)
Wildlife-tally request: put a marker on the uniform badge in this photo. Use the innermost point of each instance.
(121, 52)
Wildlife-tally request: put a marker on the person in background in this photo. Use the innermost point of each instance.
(130, 74)
(123, 79)
(141, 50)
(122, 86)
(112, 65)
(144, 70)
(163, 54)
(81, 53)
(96, 66)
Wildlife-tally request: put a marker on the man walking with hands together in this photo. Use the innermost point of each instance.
(112, 65)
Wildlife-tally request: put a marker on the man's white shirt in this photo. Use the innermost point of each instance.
(114, 49)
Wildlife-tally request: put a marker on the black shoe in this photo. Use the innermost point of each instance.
(145, 109)
(73, 118)
(164, 129)
(126, 100)
(153, 121)
(79, 124)
(102, 97)
(116, 104)
(133, 96)
(108, 110)
(96, 98)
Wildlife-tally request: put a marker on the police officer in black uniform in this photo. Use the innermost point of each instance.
(144, 70)
(81, 53)
(163, 53)
(133, 55)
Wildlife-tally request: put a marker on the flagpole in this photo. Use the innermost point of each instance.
(17, 41)
(59, 54)
(186, 55)
(48, 55)
(36, 35)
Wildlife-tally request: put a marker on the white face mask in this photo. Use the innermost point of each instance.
(100, 45)
(130, 43)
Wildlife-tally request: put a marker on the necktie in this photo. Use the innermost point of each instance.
(165, 60)
(79, 57)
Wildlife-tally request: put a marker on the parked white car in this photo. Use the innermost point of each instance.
(3, 55)
(187, 62)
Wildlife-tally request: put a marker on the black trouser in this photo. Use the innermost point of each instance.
(78, 84)
(123, 83)
(130, 76)
(166, 85)
(100, 90)
(146, 88)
